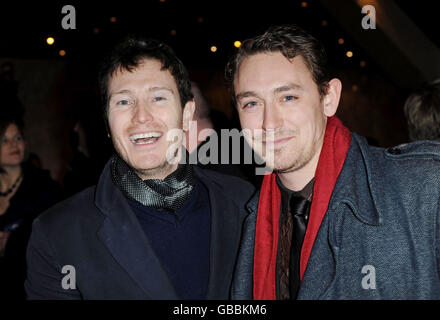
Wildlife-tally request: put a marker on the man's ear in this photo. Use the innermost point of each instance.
(332, 97)
(188, 113)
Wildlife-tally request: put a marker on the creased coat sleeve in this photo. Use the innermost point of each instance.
(44, 276)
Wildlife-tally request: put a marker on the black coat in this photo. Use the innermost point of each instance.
(97, 233)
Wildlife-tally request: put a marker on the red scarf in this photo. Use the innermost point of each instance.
(337, 140)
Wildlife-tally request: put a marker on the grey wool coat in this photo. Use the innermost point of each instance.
(380, 237)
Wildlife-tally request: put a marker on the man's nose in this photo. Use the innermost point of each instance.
(142, 113)
(272, 117)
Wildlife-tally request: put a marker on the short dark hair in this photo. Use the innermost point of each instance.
(130, 52)
(7, 120)
(289, 40)
(422, 112)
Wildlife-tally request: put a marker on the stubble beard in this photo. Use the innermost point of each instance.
(301, 158)
(163, 169)
(298, 162)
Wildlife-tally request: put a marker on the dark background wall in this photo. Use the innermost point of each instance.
(56, 89)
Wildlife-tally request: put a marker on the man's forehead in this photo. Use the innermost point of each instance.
(144, 66)
(149, 89)
(149, 73)
(272, 71)
(269, 62)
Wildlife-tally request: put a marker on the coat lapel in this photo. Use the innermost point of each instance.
(358, 195)
(224, 238)
(122, 234)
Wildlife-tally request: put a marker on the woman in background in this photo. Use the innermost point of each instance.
(25, 191)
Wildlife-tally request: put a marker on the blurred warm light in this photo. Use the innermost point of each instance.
(355, 88)
(341, 41)
(62, 53)
(200, 19)
(50, 41)
(363, 64)
(96, 30)
(237, 44)
(113, 19)
(349, 54)
(213, 49)
(304, 4)
(162, 0)
(324, 23)
(173, 32)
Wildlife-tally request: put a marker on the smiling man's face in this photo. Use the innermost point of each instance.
(144, 105)
(278, 99)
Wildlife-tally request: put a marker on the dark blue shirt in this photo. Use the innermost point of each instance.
(181, 241)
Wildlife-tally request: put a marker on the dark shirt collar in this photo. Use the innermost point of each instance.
(306, 192)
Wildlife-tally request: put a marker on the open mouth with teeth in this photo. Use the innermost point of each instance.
(145, 138)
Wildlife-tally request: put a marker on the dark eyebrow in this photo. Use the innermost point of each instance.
(161, 88)
(118, 92)
(151, 90)
(287, 88)
(245, 94)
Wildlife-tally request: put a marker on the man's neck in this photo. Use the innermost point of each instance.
(157, 173)
(298, 179)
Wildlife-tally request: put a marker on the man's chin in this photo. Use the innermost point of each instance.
(159, 171)
(284, 170)
(286, 167)
(277, 166)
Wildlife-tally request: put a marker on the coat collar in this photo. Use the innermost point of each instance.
(124, 237)
(225, 235)
(355, 187)
(122, 234)
(357, 184)
(252, 204)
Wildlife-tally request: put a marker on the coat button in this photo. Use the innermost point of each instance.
(394, 151)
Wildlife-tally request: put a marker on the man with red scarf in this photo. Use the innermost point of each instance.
(337, 218)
